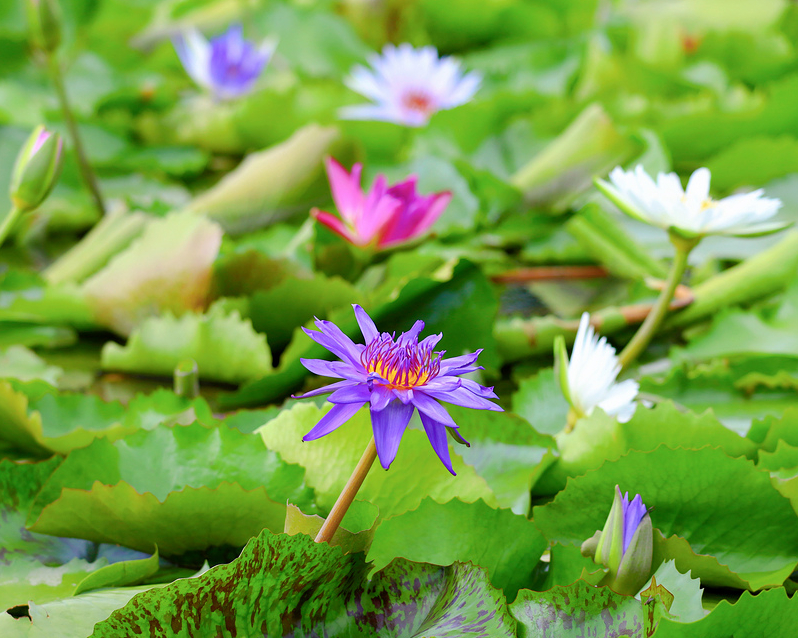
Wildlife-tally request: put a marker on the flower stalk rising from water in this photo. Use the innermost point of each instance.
(588, 379)
(35, 173)
(407, 86)
(688, 214)
(625, 546)
(394, 377)
(382, 217)
(228, 65)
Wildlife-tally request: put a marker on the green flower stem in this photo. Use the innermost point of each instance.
(655, 318)
(8, 223)
(86, 172)
(348, 494)
(186, 378)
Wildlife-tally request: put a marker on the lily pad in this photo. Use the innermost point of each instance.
(317, 589)
(680, 487)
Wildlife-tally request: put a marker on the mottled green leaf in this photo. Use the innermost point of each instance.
(579, 610)
(315, 589)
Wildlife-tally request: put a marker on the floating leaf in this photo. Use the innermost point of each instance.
(415, 474)
(225, 347)
(122, 574)
(505, 545)
(680, 486)
(540, 401)
(686, 591)
(180, 488)
(354, 535)
(317, 589)
(506, 451)
(18, 362)
(580, 610)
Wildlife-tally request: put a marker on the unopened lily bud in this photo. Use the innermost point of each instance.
(44, 17)
(36, 169)
(625, 546)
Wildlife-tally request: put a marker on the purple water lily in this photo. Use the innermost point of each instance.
(228, 65)
(394, 376)
(633, 514)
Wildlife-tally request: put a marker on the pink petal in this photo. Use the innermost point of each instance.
(346, 191)
(336, 225)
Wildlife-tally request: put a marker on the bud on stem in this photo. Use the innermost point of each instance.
(44, 17)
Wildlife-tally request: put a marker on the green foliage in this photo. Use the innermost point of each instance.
(313, 586)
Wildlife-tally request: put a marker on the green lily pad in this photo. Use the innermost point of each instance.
(18, 362)
(315, 588)
(769, 613)
(540, 401)
(180, 488)
(680, 486)
(505, 545)
(225, 347)
(415, 474)
(506, 451)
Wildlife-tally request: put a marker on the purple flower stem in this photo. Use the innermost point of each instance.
(86, 172)
(348, 494)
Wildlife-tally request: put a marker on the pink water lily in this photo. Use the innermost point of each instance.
(385, 215)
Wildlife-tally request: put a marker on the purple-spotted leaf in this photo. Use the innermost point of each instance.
(581, 609)
(288, 585)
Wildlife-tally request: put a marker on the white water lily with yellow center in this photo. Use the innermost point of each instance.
(588, 379)
(690, 212)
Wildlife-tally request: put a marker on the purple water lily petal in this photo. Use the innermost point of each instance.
(465, 398)
(335, 418)
(332, 387)
(436, 433)
(633, 514)
(394, 376)
(430, 407)
(389, 425)
(350, 394)
(367, 326)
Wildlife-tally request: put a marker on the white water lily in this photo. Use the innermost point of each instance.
(588, 378)
(409, 85)
(689, 212)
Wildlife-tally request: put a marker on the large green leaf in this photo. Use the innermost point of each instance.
(225, 347)
(747, 526)
(540, 401)
(415, 474)
(599, 438)
(289, 585)
(69, 617)
(505, 545)
(180, 488)
(769, 613)
(18, 362)
(506, 451)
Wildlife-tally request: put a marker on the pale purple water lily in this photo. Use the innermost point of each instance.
(227, 65)
(409, 85)
(394, 377)
(385, 215)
